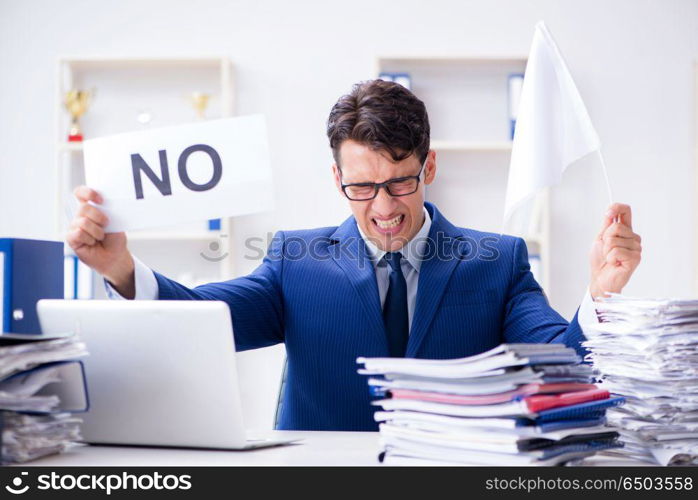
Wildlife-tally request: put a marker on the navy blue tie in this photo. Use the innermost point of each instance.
(395, 308)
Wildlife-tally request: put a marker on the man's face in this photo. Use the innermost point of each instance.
(388, 221)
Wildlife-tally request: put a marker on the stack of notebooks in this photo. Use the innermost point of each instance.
(41, 386)
(517, 404)
(647, 350)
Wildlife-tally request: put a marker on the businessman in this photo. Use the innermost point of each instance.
(394, 279)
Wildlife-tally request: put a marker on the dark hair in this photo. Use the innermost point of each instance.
(382, 115)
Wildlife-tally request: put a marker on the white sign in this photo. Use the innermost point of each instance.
(194, 172)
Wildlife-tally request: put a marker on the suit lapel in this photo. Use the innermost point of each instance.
(349, 252)
(436, 269)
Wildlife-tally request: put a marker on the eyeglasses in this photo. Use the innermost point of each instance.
(399, 186)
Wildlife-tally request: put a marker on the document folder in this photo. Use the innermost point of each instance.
(29, 270)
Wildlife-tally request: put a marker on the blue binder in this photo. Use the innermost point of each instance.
(590, 409)
(29, 270)
(559, 425)
(71, 388)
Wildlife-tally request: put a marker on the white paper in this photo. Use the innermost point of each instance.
(484, 364)
(478, 386)
(449, 448)
(480, 433)
(244, 185)
(647, 351)
(30, 383)
(511, 409)
(24, 356)
(27, 437)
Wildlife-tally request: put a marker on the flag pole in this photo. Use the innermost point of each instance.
(605, 176)
(608, 184)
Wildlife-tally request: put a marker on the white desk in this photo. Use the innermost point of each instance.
(316, 449)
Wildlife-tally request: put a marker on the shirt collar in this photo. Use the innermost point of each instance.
(412, 251)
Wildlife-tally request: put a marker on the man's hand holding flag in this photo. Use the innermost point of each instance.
(553, 130)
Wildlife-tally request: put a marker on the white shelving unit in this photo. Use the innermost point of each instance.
(471, 146)
(467, 98)
(159, 87)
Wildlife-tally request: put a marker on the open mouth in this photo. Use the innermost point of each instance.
(389, 225)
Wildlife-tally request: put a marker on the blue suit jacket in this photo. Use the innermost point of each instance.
(316, 291)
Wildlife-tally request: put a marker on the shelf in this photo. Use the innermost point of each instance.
(502, 146)
(81, 62)
(453, 59)
(458, 86)
(467, 96)
(70, 146)
(125, 88)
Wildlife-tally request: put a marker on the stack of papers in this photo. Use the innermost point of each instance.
(647, 350)
(26, 436)
(517, 404)
(39, 387)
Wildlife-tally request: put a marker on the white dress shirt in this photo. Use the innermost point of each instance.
(412, 252)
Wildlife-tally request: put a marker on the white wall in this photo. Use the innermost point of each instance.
(633, 62)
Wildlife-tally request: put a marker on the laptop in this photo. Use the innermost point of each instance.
(159, 373)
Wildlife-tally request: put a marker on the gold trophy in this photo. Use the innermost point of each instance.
(76, 102)
(200, 101)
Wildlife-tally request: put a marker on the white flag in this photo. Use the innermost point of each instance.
(553, 128)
